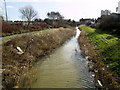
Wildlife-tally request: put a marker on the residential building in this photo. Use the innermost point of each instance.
(86, 21)
(119, 7)
(105, 12)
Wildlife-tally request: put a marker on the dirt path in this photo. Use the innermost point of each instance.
(7, 38)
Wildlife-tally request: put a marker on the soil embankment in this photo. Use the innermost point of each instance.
(103, 77)
(20, 53)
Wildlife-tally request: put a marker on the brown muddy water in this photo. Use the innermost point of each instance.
(64, 68)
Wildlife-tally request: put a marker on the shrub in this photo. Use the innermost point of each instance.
(8, 28)
(110, 23)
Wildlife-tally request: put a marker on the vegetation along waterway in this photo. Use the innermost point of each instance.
(20, 53)
(64, 68)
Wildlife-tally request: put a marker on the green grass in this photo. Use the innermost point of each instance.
(108, 46)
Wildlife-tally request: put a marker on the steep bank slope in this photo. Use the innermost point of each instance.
(19, 54)
(89, 45)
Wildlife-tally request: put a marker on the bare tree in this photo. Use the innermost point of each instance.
(28, 13)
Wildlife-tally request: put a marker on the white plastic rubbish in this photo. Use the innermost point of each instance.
(20, 50)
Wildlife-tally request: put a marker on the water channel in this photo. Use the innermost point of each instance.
(64, 68)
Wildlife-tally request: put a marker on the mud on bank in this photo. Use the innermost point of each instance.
(103, 76)
(20, 53)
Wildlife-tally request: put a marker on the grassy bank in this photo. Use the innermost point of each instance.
(16, 62)
(108, 46)
(105, 49)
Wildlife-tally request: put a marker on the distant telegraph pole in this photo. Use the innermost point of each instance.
(6, 11)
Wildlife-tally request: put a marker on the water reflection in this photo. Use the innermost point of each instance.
(65, 68)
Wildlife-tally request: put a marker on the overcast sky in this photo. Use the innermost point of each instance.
(70, 9)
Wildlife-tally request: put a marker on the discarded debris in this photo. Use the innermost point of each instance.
(100, 83)
(96, 71)
(93, 75)
(20, 50)
(86, 57)
(103, 68)
(1, 70)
